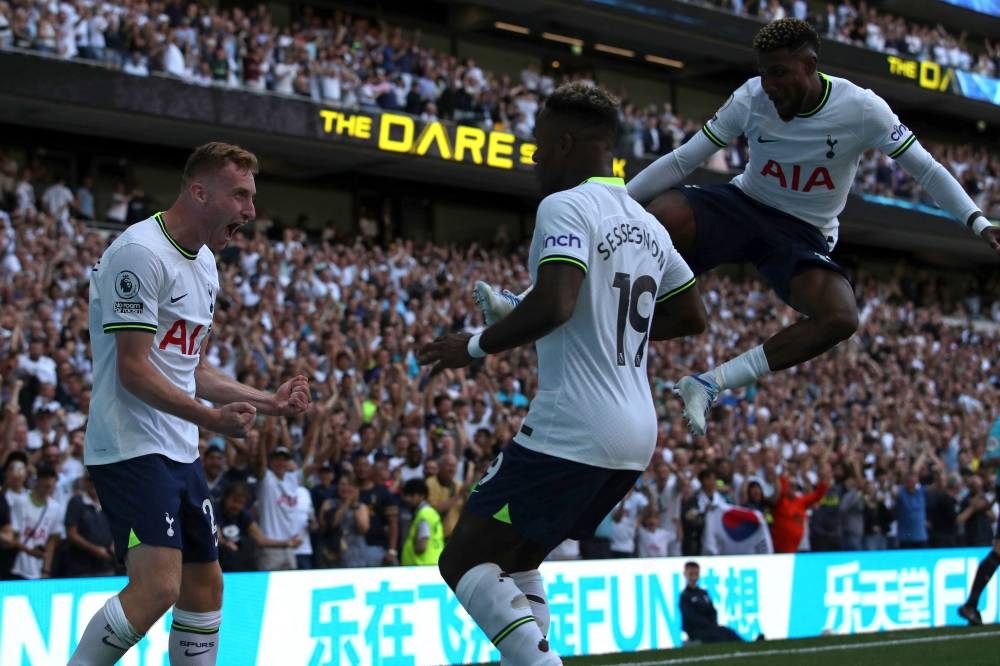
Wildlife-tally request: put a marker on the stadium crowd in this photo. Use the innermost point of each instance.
(355, 61)
(358, 61)
(887, 431)
(855, 22)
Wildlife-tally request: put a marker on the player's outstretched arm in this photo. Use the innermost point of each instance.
(549, 305)
(679, 315)
(143, 380)
(671, 169)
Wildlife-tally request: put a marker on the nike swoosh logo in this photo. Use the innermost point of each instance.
(104, 639)
(188, 653)
(761, 139)
(175, 299)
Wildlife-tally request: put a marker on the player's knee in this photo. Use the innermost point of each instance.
(163, 593)
(841, 324)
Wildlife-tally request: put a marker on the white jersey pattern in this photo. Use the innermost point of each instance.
(145, 281)
(593, 404)
(806, 167)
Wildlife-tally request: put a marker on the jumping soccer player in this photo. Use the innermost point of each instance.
(607, 280)
(807, 132)
(152, 297)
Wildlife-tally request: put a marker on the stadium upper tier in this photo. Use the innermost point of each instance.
(351, 62)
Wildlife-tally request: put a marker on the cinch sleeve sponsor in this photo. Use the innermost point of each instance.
(562, 231)
(882, 129)
(677, 277)
(129, 289)
(731, 119)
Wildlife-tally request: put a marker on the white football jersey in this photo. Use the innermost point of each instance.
(806, 167)
(594, 404)
(145, 281)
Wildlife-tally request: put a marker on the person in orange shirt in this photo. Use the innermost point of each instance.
(790, 513)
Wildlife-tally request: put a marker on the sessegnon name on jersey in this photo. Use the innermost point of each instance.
(624, 234)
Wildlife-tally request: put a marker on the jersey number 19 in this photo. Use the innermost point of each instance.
(629, 293)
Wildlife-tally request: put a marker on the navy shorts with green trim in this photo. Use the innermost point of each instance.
(732, 228)
(157, 501)
(545, 498)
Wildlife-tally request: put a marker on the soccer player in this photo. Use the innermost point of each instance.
(807, 132)
(970, 609)
(607, 280)
(152, 296)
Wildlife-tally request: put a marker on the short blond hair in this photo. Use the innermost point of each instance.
(214, 156)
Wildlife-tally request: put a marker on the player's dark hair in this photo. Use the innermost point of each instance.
(586, 106)
(415, 487)
(786, 33)
(214, 156)
(692, 563)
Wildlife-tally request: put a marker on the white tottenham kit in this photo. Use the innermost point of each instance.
(593, 403)
(805, 167)
(145, 281)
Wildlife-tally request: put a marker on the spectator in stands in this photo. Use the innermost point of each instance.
(425, 538)
(277, 496)
(214, 463)
(668, 492)
(791, 511)
(84, 206)
(240, 536)
(852, 513)
(879, 516)
(942, 512)
(90, 548)
(694, 509)
(382, 536)
(344, 522)
(911, 512)
(118, 207)
(446, 493)
(651, 540)
(38, 524)
(307, 525)
(825, 524)
(976, 517)
(625, 519)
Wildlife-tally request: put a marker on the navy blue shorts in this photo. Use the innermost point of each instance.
(548, 499)
(159, 502)
(732, 228)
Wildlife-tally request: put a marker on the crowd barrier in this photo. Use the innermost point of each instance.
(407, 616)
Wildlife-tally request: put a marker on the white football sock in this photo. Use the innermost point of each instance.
(107, 637)
(194, 638)
(530, 583)
(743, 370)
(502, 611)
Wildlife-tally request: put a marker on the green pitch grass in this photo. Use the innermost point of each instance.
(979, 646)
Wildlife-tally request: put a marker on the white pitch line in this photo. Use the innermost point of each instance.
(827, 648)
